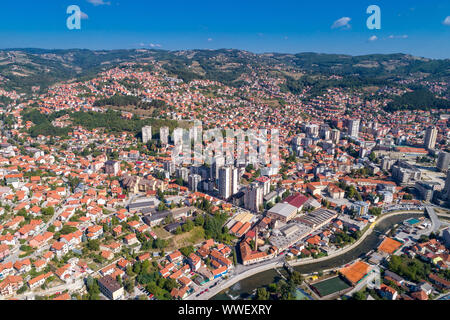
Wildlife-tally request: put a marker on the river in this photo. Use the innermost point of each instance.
(245, 287)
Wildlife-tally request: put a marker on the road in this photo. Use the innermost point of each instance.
(241, 272)
(444, 296)
(78, 284)
(436, 223)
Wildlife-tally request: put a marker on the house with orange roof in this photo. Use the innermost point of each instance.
(58, 225)
(175, 256)
(177, 274)
(39, 280)
(315, 240)
(194, 261)
(115, 247)
(40, 240)
(66, 215)
(144, 257)
(35, 211)
(130, 239)
(14, 222)
(23, 266)
(108, 270)
(223, 261)
(10, 285)
(6, 269)
(117, 230)
(179, 293)
(72, 239)
(64, 296)
(165, 272)
(123, 263)
(4, 251)
(60, 248)
(94, 232)
(40, 265)
(185, 281)
(64, 272)
(48, 256)
(388, 292)
(220, 271)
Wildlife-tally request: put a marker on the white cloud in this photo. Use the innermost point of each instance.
(446, 21)
(84, 16)
(342, 23)
(155, 45)
(210, 39)
(99, 2)
(405, 36)
(373, 38)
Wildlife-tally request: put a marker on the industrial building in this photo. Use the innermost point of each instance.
(283, 212)
(318, 218)
(288, 235)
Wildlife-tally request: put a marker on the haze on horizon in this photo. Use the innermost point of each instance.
(416, 28)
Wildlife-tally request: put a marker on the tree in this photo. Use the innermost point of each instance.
(234, 256)
(408, 196)
(159, 243)
(188, 226)
(375, 211)
(359, 295)
(22, 289)
(92, 288)
(129, 285)
(66, 229)
(262, 294)
(199, 220)
(137, 267)
(186, 251)
(297, 277)
(162, 206)
(50, 211)
(145, 267)
(272, 287)
(286, 289)
(93, 245)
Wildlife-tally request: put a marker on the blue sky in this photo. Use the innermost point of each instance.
(415, 27)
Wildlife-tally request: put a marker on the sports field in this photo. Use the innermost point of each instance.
(329, 286)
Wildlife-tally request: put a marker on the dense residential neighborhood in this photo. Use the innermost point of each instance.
(94, 205)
